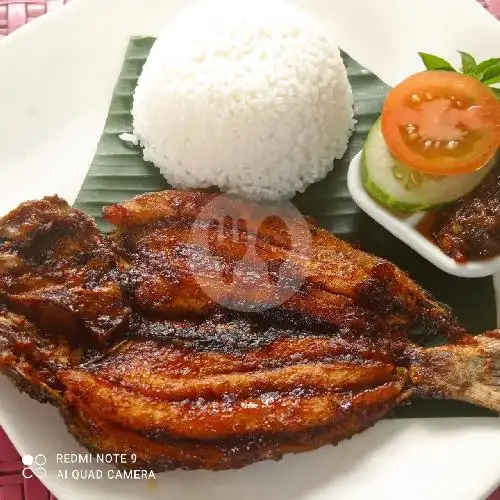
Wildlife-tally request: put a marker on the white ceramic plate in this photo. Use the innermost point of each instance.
(57, 78)
(405, 229)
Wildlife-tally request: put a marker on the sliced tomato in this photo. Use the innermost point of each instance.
(441, 122)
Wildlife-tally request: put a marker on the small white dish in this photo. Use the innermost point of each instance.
(404, 227)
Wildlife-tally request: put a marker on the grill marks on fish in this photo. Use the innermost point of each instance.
(173, 373)
(221, 332)
(292, 383)
(308, 377)
(183, 362)
(301, 338)
(171, 254)
(270, 411)
(189, 240)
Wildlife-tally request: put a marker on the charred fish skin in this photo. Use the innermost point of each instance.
(58, 270)
(235, 333)
(160, 232)
(222, 406)
(218, 410)
(168, 374)
(159, 452)
(32, 359)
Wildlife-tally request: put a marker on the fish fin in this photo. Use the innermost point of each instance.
(469, 371)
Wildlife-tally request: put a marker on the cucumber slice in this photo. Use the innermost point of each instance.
(399, 187)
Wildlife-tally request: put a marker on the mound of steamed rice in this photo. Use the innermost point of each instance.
(249, 96)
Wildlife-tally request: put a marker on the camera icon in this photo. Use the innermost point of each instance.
(34, 466)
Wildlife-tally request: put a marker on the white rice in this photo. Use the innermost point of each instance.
(245, 95)
(129, 139)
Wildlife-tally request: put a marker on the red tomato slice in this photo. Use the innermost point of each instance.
(441, 122)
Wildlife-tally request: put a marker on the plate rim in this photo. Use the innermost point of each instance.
(59, 16)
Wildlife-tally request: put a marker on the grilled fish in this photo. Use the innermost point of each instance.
(162, 235)
(120, 334)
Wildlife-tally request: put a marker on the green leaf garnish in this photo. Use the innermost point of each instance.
(487, 72)
(432, 62)
(491, 73)
(468, 63)
(492, 81)
(485, 65)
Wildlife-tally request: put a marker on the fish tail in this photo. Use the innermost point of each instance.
(468, 371)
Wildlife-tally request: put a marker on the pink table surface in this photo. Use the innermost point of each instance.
(13, 15)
